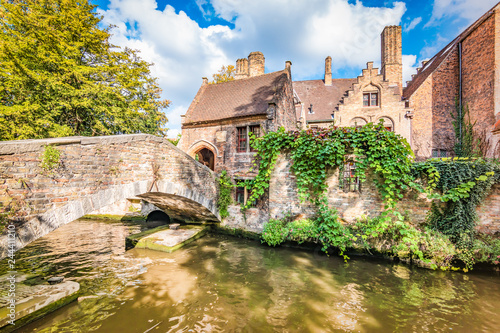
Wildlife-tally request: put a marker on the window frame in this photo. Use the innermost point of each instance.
(243, 135)
(369, 99)
(349, 181)
(244, 193)
(440, 153)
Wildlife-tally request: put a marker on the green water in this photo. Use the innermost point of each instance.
(223, 284)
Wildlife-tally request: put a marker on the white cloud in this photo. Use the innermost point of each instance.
(410, 26)
(469, 10)
(410, 66)
(304, 32)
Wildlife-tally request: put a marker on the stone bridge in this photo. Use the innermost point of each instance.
(94, 172)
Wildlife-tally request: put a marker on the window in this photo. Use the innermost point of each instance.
(241, 145)
(242, 194)
(255, 130)
(242, 136)
(370, 99)
(439, 153)
(349, 182)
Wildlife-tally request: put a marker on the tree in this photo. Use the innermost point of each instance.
(60, 75)
(224, 74)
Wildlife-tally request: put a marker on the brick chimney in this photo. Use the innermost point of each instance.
(241, 69)
(392, 59)
(328, 71)
(256, 64)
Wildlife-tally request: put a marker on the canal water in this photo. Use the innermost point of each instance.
(225, 284)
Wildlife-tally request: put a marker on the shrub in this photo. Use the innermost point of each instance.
(275, 232)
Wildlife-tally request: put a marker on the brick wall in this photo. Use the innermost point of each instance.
(445, 90)
(478, 78)
(421, 103)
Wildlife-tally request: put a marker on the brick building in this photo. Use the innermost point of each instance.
(216, 127)
(355, 102)
(466, 71)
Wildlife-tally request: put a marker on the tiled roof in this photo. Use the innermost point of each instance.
(324, 99)
(435, 61)
(232, 99)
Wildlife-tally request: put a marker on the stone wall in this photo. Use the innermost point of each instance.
(283, 200)
(95, 172)
(390, 103)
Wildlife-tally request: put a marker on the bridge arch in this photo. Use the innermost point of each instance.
(176, 200)
(95, 172)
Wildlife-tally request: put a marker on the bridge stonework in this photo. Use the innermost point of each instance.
(95, 172)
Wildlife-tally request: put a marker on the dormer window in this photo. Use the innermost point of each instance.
(311, 109)
(370, 99)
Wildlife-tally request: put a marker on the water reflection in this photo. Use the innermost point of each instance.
(220, 284)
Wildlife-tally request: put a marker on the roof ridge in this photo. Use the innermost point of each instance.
(444, 53)
(248, 78)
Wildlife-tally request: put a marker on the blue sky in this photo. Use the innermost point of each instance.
(190, 39)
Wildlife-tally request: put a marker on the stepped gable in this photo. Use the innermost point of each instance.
(233, 99)
(435, 61)
(324, 99)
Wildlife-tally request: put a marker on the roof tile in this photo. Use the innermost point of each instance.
(232, 99)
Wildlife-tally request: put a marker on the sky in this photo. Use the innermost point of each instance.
(189, 39)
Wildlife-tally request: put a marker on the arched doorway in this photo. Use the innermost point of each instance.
(206, 157)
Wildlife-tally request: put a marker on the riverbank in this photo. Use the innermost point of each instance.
(24, 299)
(378, 248)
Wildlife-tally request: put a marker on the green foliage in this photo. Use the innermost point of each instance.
(316, 151)
(331, 232)
(305, 230)
(456, 185)
(225, 74)
(395, 238)
(225, 188)
(275, 232)
(486, 250)
(51, 157)
(175, 141)
(463, 183)
(464, 131)
(60, 76)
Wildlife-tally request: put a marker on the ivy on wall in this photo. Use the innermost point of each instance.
(462, 185)
(314, 151)
(224, 200)
(456, 185)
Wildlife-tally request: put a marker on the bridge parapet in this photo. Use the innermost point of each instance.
(94, 172)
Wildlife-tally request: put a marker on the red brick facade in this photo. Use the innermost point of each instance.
(467, 71)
